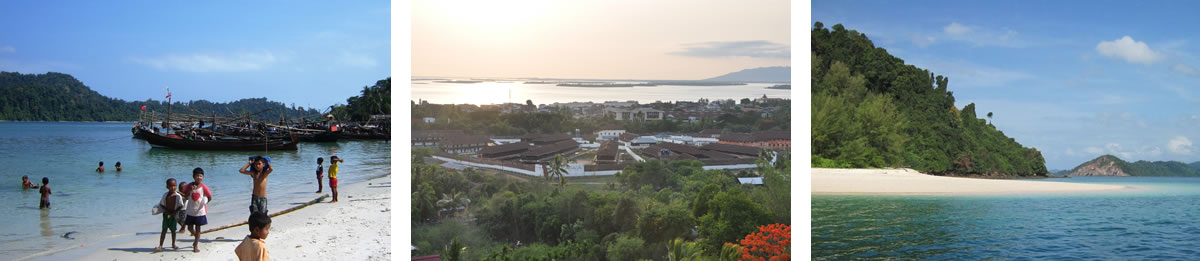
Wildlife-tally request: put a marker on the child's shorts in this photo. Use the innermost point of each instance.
(332, 182)
(169, 223)
(194, 220)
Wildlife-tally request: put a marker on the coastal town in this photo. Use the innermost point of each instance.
(602, 138)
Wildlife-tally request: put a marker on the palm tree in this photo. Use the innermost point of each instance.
(729, 252)
(764, 157)
(453, 200)
(680, 250)
(454, 251)
(558, 168)
(423, 201)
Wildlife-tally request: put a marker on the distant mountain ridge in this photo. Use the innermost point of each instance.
(780, 74)
(1109, 165)
(60, 97)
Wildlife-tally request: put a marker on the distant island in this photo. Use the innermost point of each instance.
(458, 81)
(781, 74)
(1109, 165)
(781, 87)
(602, 85)
(60, 97)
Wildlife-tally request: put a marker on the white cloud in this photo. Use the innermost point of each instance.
(1151, 151)
(1180, 145)
(966, 74)
(980, 36)
(922, 41)
(1129, 50)
(1093, 150)
(7, 49)
(1185, 70)
(238, 62)
(1115, 149)
(956, 29)
(1070, 152)
(356, 60)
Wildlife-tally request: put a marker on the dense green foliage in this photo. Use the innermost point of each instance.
(476, 120)
(869, 109)
(373, 100)
(637, 216)
(1148, 168)
(61, 97)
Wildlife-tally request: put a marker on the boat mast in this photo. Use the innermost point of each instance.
(167, 122)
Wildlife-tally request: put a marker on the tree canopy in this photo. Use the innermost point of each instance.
(60, 97)
(869, 109)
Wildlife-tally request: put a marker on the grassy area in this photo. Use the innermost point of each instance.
(600, 180)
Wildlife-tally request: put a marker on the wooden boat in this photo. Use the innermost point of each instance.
(364, 135)
(231, 143)
(323, 136)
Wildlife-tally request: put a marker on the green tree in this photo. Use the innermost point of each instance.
(558, 169)
(681, 250)
(454, 251)
(626, 248)
(731, 215)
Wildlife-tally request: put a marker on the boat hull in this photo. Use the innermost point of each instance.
(159, 140)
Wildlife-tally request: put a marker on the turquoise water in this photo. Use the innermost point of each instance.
(1158, 220)
(103, 206)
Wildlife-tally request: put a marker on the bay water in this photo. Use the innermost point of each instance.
(497, 92)
(102, 207)
(1158, 219)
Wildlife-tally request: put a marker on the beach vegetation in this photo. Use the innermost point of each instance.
(870, 110)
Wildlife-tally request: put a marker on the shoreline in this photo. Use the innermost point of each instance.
(363, 209)
(910, 182)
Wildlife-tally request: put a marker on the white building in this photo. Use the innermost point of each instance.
(623, 114)
(430, 120)
(610, 132)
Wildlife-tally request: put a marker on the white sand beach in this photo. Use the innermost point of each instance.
(908, 181)
(357, 227)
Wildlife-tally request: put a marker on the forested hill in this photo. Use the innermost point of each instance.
(61, 97)
(1109, 165)
(869, 109)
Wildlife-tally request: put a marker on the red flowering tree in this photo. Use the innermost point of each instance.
(771, 243)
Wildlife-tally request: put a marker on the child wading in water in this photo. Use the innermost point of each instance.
(259, 168)
(320, 169)
(254, 247)
(25, 184)
(118, 165)
(198, 197)
(333, 171)
(170, 204)
(45, 190)
(101, 167)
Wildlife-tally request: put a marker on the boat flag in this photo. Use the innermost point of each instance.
(143, 107)
(168, 93)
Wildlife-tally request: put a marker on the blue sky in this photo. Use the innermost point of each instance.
(1075, 80)
(311, 53)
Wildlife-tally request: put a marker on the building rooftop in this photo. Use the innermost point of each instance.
(465, 140)
(756, 136)
(730, 148)
(544, 150)
(506, 148)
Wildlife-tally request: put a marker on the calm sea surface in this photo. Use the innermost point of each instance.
(1159, 221)
(107, 206)
(498, 92)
